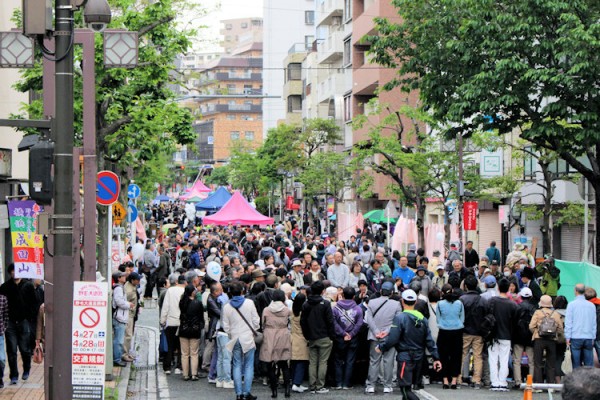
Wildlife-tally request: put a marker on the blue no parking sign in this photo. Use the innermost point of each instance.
(107, 188)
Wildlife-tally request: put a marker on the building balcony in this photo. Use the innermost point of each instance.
(328, 10)
(331, 49)
(330, 87)
(293, 87)
(238, 76)
(230, 108)
(366, 80)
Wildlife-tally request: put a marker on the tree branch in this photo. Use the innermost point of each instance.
(115, 126)
(153, 25)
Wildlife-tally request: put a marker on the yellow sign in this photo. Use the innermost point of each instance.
(119, 213)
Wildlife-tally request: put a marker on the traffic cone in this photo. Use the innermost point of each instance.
(528, 393)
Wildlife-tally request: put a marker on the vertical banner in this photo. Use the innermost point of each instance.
(470, 215)
(330, 206)
(90, 302)
(28, 246)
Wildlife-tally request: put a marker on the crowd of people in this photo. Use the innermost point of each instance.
(282, 307)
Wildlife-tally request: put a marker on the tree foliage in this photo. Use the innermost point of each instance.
(503, 65)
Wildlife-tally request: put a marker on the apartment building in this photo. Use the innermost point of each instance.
(239, 32)
(286, 22)
(229, 108)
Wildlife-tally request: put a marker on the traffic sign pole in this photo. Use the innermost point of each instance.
(109, 243)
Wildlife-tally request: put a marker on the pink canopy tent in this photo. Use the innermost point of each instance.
(237, 211)
(197, 190)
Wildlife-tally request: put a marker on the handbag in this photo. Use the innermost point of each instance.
(163, 345)
(258, 335)
(38, 353)
(567, 364)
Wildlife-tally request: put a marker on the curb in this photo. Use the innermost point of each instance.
(123, 382)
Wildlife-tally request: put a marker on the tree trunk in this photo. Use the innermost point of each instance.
(547, 210)
(420, 216)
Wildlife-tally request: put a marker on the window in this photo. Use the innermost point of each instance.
(347, 10)
(294, 72)
(244, 25)
(347, 52)
(234, 135)
(309, 17)
(247, 89)
(231, 88)
(249, 135)
(231, 117)
(529, 164)
(308, 41)
(246, 118)
(294, 103)
(229, 27)
(347, 108)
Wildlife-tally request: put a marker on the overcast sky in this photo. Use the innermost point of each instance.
(228, 9)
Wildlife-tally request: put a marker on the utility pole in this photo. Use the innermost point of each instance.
(461, 192)
(61, 313)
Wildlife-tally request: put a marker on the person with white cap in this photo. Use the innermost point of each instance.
(440, 278)
(410, 336)
(296, 273)
(521, 337)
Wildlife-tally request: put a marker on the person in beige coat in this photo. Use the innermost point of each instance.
(545, 343)
(277, 343)
(299, 346)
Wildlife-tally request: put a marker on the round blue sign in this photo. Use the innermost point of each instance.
(133, 191)
(132, 213)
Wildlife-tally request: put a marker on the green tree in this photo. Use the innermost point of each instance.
(399, 147)
(525, 64)
(137, 122)
(219, 176)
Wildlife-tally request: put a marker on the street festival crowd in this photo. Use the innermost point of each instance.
(303, 312)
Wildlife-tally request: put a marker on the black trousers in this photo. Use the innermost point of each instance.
(150, 282)
(549, 345)
(174, 345)
(450, 346)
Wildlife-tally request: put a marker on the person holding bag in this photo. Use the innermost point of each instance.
(191, 323)
(241, 323)
(546, 325)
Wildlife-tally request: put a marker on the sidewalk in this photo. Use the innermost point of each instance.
(33, 388)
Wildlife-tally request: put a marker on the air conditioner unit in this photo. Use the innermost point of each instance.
(336, 21)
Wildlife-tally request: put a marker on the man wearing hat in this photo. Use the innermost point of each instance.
(545, 344)
(440, 278)
(410, 336)
(521, 338)
(423, 279)
(379, 316)
(120, 317)
(257, 276)
(527, 276)
(490, 288)
(131, 292)
(296, 273)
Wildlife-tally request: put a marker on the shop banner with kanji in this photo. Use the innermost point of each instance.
(27, 245)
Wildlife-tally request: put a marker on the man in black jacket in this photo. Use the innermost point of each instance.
(475, 310)
(317, 327)
(471, 256)
(505, 311)
(20, 294)
(521, 338)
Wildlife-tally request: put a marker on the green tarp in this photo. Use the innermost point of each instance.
(572, 273)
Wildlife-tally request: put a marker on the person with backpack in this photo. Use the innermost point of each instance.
(546, 324)
(348, 319)
(502, 311)
(522, 340)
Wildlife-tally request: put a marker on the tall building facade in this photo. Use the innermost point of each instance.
(287, 24)
(239, 32)
(229, 106)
